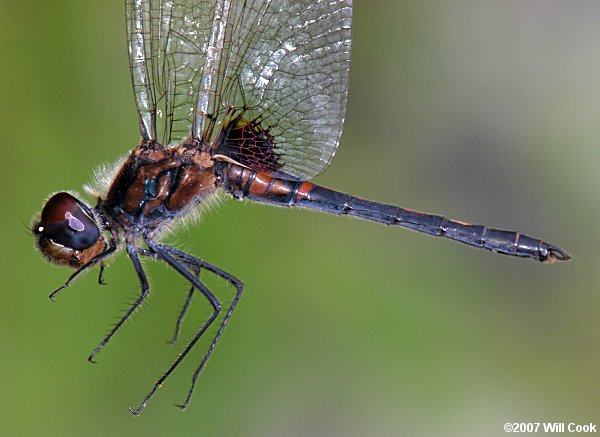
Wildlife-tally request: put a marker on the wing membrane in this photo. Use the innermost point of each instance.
(138, 38)
(198, 65)
(287, 62)
(167, 55)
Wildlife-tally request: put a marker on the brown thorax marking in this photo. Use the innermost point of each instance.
(135, 192)
(191, 153)
(195, 178)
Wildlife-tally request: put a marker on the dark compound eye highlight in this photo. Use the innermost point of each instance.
(66, 221)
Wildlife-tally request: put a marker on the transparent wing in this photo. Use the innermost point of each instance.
(167, 55)
(286, 64)
(199, 67)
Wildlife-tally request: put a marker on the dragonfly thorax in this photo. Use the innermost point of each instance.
(157, 184)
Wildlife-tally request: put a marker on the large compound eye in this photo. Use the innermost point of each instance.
(65, 221)
(66, 230)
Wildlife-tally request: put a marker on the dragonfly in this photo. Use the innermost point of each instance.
(234, 98)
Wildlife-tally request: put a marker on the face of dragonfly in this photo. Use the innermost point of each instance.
(67, 232)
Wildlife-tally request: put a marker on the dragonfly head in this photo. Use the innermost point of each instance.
(67, 232)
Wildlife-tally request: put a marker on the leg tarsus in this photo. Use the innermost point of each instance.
(101, 280)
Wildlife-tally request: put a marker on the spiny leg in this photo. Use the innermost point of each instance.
(228, 277)
(101, 280)
(92, 263)
(188, 300)
(145, 290)
(184, 309)
(162, 252)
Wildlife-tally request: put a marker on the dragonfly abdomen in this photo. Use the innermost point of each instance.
(245, 183)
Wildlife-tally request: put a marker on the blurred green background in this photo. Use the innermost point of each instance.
(485, 111)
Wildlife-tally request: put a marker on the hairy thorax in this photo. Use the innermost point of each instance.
(155, 185)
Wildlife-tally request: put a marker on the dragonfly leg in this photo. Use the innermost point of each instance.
(180, 263)
(101, 280)
(145, 290)
(188, 300)
(239, 286)
(111, 249)
(184, 309)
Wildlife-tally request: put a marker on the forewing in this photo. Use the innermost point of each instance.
(285, 65)
(167, 55)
